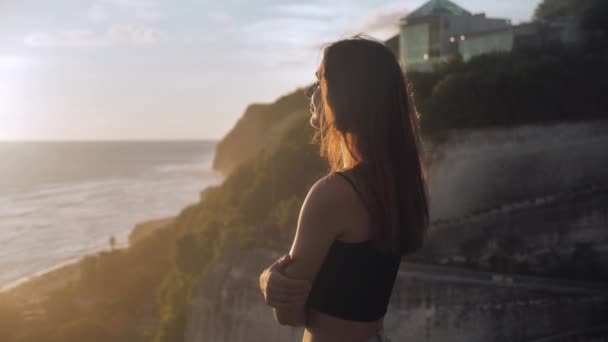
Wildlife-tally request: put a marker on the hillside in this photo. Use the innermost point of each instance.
(529, 87)
(261, 125)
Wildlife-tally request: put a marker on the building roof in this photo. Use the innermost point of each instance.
(517, 29)
(437, 7)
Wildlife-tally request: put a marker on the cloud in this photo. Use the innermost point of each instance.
(117, 34)
(143, 9)
(147, 10)
(305, 11)
(286, 32)
(136, 34)
(133, 3)
(97, 12)
(292, 35)
(383, 22)
(220, 17)
(65, 38)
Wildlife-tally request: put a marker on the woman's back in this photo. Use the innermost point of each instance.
(356, 280)
(351, 292)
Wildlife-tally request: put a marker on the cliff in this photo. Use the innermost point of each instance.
(428, 303)
(477, 169)
(260, 127)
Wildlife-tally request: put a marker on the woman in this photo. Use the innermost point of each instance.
(356, 222)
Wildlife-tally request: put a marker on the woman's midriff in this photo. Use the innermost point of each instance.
(322, 327)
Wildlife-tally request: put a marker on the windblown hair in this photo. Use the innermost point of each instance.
(371, 122)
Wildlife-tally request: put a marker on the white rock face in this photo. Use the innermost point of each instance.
(476, 170)
(230, 306)
(434, 304)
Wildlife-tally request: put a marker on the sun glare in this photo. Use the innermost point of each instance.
(12, 77)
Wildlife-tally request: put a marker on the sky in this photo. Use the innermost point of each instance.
(172, 69)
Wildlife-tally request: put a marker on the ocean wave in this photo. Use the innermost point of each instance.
(63, 188)
(41, 230)
(201, 167)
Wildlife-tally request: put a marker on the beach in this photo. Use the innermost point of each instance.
(37, 287)
(61, 201)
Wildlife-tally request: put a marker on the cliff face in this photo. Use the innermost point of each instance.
(475, 170)
(259, 128)
(428, 304)
(230, 307)
(436, 303)
(543, 233)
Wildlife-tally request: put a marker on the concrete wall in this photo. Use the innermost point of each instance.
(556, 222)
(414, 43)
(425, 306)
(476, 45)
(473, 170)
(456, 26)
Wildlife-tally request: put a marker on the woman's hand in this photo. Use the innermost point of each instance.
(280, 291)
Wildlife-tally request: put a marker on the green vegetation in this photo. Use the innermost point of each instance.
(509, 89)
(560, 10)
(258, 128)
(590, 15)
(112, 299)
(257, 205)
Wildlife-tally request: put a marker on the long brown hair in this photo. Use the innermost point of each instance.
(371, 122)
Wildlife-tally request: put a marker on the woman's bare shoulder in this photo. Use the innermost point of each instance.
(332, 189)
(334, 197)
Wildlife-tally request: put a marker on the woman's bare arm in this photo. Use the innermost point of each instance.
(319, 225)
(277, 289)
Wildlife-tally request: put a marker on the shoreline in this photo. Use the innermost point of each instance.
(38, 285)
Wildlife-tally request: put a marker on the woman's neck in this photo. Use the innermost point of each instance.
(350, 155)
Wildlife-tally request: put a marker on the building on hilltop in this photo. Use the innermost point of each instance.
(432, 33)
(440, 29)
(507, 39)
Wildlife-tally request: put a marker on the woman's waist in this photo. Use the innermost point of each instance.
(323, 327)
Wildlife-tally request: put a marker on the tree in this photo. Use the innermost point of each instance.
(594, 19)
(112, 242)
(556, 10)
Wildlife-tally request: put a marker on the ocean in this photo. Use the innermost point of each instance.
(62, 200)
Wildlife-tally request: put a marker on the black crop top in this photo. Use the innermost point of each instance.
(355, 281)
